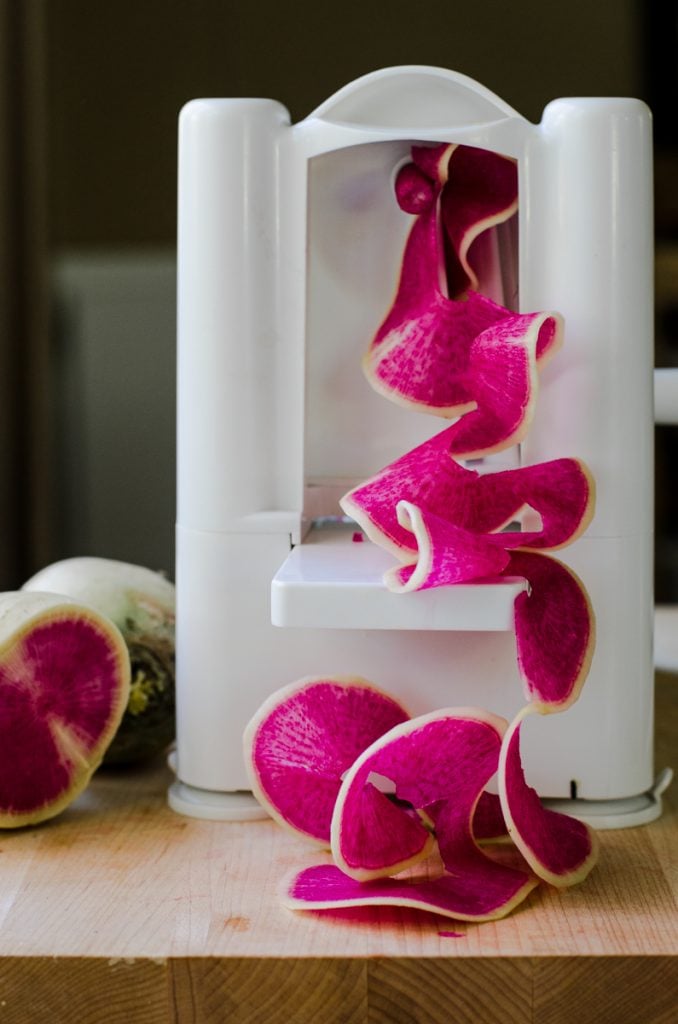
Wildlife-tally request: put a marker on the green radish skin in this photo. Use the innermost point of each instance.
(64, 687)
(141, 603)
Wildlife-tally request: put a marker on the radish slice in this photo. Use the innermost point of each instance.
(453, 751)
(303, 739)
(502, 371)
(420, 354)
(447, 554)
(64, 684)
(561, 491)
(560, 849)
(555, 631)
(325, 887)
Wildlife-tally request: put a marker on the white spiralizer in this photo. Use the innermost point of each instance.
(289, 247)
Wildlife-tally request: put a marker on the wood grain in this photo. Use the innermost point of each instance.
(34, 990)
(278, 991)
(438, 991)
(606, 990)
(120, 910)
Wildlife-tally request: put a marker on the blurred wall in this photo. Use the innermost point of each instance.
(120, 72)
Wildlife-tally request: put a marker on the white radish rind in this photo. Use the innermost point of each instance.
(302, 740)
(559, 849)
(64, 685)
(133, 596)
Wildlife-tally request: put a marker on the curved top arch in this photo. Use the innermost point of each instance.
(414, 96)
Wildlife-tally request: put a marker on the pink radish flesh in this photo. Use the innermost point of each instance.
(420, 354)
(560, 849)
(64, 682)
(302, 741)
(555, 630)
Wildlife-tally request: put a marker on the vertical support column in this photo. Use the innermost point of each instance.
(587, 251)
(227, 289)
(228, 266)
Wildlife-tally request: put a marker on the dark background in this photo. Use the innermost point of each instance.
(112, 77)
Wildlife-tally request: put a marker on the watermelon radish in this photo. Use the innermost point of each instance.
(555, 630)
(446, 755)
(446, 554)
(64, 684)
(325, 887)
(558, 848)
(141, 604)
(303, 739)
(560, 491)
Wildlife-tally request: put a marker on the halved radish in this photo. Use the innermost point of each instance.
(303, 739)
(555, 630)
(447, 755)
(141, 603)
(558, 848)
(325, 887)
(64, 684)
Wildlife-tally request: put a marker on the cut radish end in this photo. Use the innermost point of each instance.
(64, 685)
(453, 751)
(325, 887)
(446, 554)
(303, 739)
(560, 849)
(555, 630)
(415, 191)
(502, 380)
